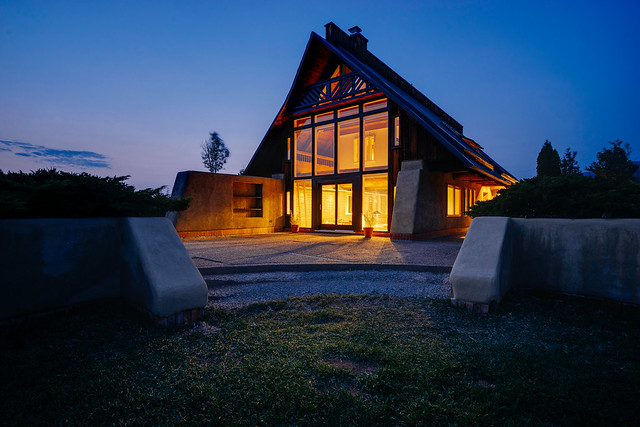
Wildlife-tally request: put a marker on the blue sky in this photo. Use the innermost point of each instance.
(133, 88)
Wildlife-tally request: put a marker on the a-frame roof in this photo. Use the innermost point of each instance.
(444, 128)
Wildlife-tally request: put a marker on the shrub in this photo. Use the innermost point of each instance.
(570, 196)
(48, 193)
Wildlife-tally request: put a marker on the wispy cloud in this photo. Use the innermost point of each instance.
(80, 159)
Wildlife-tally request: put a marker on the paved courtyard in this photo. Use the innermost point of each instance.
(288, 250)
(247, 269)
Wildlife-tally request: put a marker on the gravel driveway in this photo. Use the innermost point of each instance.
(237, 290)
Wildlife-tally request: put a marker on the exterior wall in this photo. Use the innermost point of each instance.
(49, 264)
(420, 207)
(211, 211)
(591, 257)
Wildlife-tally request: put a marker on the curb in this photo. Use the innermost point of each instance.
(269, 268)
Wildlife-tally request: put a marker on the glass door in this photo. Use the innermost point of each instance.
(336, 206)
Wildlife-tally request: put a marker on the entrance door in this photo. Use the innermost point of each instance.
(336, 206)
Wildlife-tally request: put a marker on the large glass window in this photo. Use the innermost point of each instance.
(349, 146)
(302, 206)
(376, 142)
(302, 148)
(375, 200)
(324, 149)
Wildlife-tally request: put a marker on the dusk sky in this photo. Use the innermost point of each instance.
(134, 87)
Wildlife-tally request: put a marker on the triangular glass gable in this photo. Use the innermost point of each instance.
(335, 89)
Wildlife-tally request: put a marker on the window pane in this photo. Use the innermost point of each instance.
(450, 200)
(345, 202)
(375, 105)
(376, 142)
(349, 146)
(375, 200)
(328, 204)
(324, 150)
(303, 122)
(302, 147)
(302, 202)
(348, 112)
(454, 202)
(324, 117)
(396, 131)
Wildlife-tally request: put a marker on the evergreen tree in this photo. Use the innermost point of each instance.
(548, 163)
(614, 163)
(568, 163)
(214, 153)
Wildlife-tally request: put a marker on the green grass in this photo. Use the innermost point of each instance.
(329, 360)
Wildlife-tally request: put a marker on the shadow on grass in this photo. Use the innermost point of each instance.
(328, 359)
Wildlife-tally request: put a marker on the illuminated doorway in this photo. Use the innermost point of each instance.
(336, 206)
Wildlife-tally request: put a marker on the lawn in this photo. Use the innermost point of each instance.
(329, 360)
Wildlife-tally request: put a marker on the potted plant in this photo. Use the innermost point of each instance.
(369, 222)
(295, 227)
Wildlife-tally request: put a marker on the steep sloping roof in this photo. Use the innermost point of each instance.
(446, 130)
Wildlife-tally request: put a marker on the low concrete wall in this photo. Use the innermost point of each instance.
(591, 257)
(47, 264)
(221, 205)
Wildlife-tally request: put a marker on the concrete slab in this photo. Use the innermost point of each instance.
(329, 250)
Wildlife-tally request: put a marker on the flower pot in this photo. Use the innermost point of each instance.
(295, 228)
(368, 232)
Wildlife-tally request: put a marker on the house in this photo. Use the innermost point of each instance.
(354, 140)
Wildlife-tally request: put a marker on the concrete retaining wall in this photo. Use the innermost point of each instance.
(47, 264)
(591, 257)
(420, 207)
(217, 208)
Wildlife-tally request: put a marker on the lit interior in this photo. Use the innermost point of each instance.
(324, 150)
(376, 137)
(302, 147)
(454, 205)
(349, 146)
(302, 206)
(375, 199)
(337, 204)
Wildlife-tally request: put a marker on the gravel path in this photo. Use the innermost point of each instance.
(237, 290)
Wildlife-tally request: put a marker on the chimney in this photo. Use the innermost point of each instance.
(355, 43)
(358, 41)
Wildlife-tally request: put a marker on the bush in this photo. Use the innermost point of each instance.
(48, 193)
(570, 196)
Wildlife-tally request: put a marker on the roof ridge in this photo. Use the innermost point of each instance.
(358, 48)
